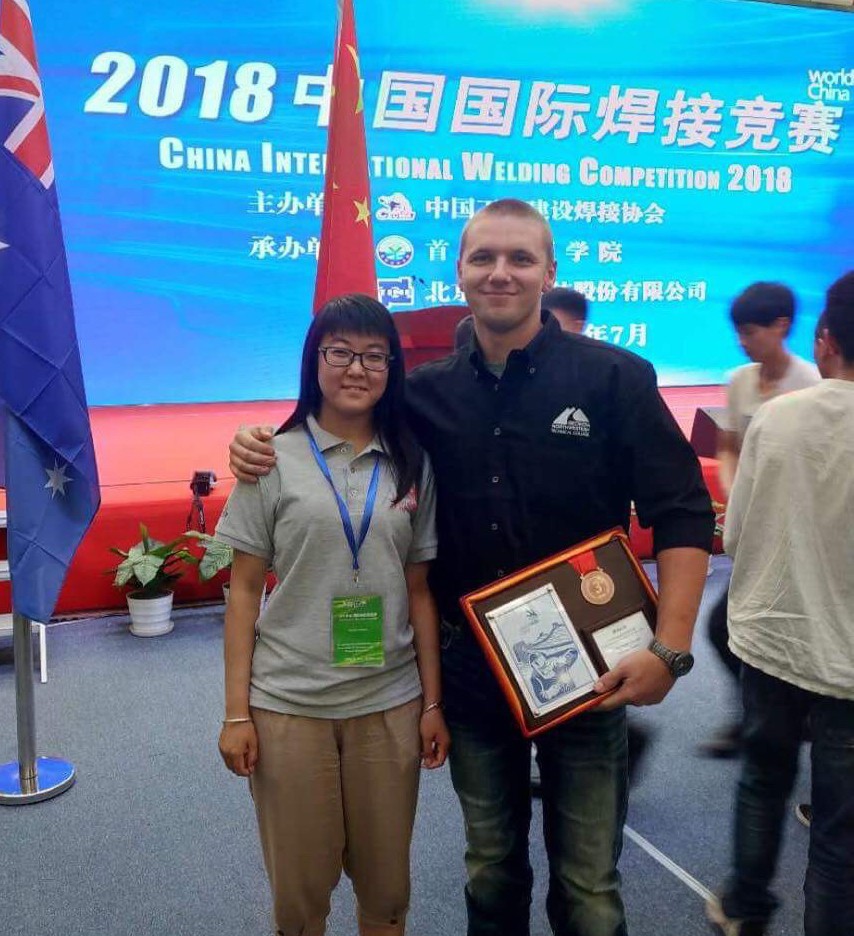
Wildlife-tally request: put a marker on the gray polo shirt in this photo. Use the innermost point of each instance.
(291, 518)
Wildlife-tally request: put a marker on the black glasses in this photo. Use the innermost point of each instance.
(344, 357)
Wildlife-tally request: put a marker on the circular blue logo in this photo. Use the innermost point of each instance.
(395, 251)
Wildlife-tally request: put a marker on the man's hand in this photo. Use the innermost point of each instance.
(641, 678)
(250, 453)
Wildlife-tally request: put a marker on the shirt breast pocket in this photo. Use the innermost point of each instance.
(463, 467)
(564, 468)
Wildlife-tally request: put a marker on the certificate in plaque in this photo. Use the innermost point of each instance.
(544, 650)
(549, 631)
(619, 639)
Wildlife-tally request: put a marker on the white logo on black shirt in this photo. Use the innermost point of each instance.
(572, 421)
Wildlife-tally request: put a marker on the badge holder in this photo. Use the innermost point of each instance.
(356, 626)
(357, 631)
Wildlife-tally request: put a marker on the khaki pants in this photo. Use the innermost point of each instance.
(332, 794)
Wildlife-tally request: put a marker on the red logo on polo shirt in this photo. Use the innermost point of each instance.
(409, 502)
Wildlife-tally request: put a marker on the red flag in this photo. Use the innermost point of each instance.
(346, 257)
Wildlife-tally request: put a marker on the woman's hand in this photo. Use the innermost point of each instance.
(238, 745)
(435, 739)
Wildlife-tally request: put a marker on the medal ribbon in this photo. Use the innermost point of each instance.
(585, 563)
(342, 506)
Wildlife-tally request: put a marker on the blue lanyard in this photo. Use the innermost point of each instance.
(342, 507)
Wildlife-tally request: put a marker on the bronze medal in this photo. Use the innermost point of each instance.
(597, 587)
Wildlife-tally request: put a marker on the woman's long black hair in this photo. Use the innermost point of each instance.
(362, 315)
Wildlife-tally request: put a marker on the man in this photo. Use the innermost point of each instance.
(511, 490)
(763, 316)
(790, 530)
(568, 306)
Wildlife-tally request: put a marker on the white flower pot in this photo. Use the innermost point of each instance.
(150, 617)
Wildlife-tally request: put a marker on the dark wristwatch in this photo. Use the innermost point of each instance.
(679, 664)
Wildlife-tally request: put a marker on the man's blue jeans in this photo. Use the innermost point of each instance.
(584, 789)
(774, 711)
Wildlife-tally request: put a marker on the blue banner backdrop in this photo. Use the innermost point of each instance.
(679, 150)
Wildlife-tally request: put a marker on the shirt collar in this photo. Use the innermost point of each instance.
(326, 440)
(533, 353)
(838, 382)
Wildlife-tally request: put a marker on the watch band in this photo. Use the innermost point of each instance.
(662, 652)
(679, 663)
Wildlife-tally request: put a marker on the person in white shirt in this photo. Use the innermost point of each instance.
(763, 316)
(790, 530)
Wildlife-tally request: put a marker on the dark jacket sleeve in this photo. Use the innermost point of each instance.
(665, 478)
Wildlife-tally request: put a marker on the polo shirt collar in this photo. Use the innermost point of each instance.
(326, 440)
(533, 353)
(838, 382)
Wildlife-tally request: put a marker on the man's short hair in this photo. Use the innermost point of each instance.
(838, 315)
(566, 300)
(514, 208)
(762, 304)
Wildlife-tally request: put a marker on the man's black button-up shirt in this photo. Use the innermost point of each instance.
(551, 453)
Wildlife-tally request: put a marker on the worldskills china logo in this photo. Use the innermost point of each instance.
(572, 421)
(830, 86)
(396, 207)
(395, 251)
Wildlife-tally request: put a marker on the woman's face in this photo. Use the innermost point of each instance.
(352, 390)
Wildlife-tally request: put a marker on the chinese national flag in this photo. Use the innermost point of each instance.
(346, 258)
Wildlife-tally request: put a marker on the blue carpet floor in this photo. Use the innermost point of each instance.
(158, 839)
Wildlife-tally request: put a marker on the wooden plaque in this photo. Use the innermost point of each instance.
(550, 630)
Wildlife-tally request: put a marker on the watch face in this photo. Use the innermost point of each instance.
(683, 664)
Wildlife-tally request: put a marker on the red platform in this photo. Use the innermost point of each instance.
(147, 455)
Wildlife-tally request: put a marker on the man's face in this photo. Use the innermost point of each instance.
(503, 270)
(761, 342)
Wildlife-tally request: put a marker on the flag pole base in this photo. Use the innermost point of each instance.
(53, 776)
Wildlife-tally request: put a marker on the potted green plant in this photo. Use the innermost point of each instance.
(216, 557)
(150, 569)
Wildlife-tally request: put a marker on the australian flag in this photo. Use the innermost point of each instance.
(47, 460)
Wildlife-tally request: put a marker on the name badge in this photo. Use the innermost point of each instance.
(357, 631)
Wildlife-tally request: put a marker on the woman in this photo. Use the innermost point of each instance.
(330, 710)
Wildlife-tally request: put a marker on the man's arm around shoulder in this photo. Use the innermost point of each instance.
(251, 454)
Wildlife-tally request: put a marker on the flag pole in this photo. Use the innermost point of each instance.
(42, 397)
(25, 702)
(30, 779)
